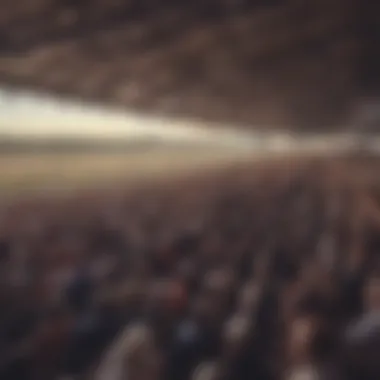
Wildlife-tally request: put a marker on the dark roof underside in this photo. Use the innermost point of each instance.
(261, 63)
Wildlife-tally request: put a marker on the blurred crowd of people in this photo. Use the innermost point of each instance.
(246, 276)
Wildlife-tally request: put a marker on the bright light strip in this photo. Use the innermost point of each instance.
(26, 114)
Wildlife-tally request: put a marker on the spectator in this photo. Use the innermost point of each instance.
(249, 292)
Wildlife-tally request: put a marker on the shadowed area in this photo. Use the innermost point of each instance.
(286, 63)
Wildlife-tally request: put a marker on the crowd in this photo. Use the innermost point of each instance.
(254, 274)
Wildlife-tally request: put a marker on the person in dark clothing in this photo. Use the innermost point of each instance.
(79, 291)
(82, 347)
(18, 368)
(361, 348)
(191, 344)
(5, 250)
(93, 330)
(240, 353)
(196, 338)
(18, 327)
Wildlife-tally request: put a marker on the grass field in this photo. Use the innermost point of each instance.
(26, 172)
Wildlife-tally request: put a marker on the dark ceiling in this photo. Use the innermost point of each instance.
(263, 63)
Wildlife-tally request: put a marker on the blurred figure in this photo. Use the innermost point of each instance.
(132, 356)
(79, 290)
(240, 352)
(195, 339)
(362, 347)
(208, 371)
(50, 342)
(303, 372)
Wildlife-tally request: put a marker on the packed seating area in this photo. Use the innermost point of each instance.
(264, 272)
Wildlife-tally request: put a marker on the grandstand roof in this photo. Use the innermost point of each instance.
(262, 63)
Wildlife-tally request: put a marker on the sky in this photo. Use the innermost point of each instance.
(28, 114)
